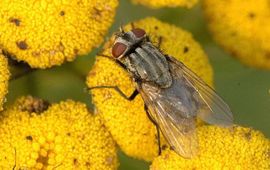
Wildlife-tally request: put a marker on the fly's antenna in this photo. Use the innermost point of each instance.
(122, 29)
(120, 32)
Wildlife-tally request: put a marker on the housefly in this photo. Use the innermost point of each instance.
(174, 96)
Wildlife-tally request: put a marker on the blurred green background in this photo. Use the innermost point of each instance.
(246, 90)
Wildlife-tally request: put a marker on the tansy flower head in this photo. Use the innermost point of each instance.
(35, 134)
(47, 33)
(127, 120)
(4, 76)
(222, 148)
(242, 28)
(166, 3)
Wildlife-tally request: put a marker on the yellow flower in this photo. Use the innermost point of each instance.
(166, 3)
(127, 120)
(220, 148)
(37, 135)
(242, 28)
(4, 77)
(45, 33)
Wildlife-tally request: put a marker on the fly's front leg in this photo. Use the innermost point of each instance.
(157, 127)
(132, 25)
(116, 88)
(159, 41)
(116, 61)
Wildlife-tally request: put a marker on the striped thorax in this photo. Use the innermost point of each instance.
(141, 58)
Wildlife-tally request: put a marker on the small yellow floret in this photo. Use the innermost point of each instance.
(242, 28)
(63, 135)
(166, 3)
(4, 77)
(220, 148)
(127, 120)
(48, 32)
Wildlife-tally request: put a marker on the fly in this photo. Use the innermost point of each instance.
(174, 96)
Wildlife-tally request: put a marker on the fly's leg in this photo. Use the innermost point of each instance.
(116, 88)
(155, 123)
(116, 61)
(159, 42)
(132, 25)
(15, 162)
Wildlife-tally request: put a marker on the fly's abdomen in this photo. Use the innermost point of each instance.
(150, 65)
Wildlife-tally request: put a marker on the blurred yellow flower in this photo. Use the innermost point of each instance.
(242, 28)
(47, 33)
(36, 135)
(127, 120)
(166, 3)
(4, 77)
(220, 148)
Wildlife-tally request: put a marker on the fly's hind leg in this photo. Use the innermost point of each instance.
(15, 161)
(116, 88)
(157, 127)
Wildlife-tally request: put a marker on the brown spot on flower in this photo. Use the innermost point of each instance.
(251, 15)
(22, 45)
(76, 51)
(248, 135)
(87, 164)
(16, 21)
(36, 53)
(62, 13)
(29, 138)
(43, 160)
(34, 105)
(75, 161)
(186, 49)
(97, 13)
(163, 147)
(109, 160)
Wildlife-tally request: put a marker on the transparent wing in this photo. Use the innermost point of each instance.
(212, 108)
(175, 109)
(167, 110)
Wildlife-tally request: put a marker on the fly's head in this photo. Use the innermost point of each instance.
(125, 42)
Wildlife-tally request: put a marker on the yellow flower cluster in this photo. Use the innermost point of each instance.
(242, 28)
(166, 3)
(4, 77)
(127, 120)
(47, 33)
(36, 135)
(220, 148)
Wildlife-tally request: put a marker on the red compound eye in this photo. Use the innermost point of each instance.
(138, 32)
(118, 49)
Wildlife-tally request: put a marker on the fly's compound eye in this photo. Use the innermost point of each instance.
(118, 49)
(138, 32)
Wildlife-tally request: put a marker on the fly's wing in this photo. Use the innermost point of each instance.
(167, 110)
(212, 108)
(175, 108)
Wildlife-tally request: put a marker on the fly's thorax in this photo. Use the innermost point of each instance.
(148, 64)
